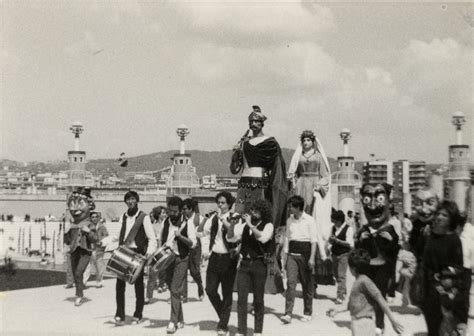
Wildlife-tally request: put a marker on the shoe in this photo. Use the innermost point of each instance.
(171, 328)
(180, 325)
(137, 320)
(99, 285)
(79, 301)
(201, 297)
(379, 332)
(118, 321)
(69, 286)
(147, 301)
(315, 295)
(221, 332)
(286, 319)
(184, 299)
(160, 290)
(339, 301)
(306, 318)
(390, 299)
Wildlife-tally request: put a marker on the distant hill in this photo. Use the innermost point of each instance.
(206, 163)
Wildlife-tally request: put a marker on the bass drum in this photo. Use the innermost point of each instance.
(126, 264)
(162, 259)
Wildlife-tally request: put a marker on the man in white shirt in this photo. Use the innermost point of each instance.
(194, 218)
(180, 236)
(222, 265)
(141, 240)
(300, 248)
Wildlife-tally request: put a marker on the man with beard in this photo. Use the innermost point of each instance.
(426, 201)
(379, 238)
(264, 172)
(189, 211)
(138, 235)
(80, 236)
(180, 236)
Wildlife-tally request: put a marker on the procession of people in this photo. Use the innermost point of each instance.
(432, 253)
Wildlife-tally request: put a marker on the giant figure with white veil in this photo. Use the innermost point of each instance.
(310, 176)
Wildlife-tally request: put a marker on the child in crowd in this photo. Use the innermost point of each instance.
(364, 295)
(452, 302)
(407, 271)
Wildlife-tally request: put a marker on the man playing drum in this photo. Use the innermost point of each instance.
(138, 235)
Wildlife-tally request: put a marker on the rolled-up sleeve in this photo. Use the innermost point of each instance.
(350, 237)
(267, 233)
(238, 230)
(192, 234)
(150, 233)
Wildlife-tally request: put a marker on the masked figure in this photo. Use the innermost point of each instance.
(379, 238)
(426, 201)
(80, 236)
(263, 170)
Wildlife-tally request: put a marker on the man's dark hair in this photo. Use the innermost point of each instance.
(359, 259)
(338, 216)
(228, 198)
(133, 194)
(297, 202)
(190, 204)
(175, 201)
(265, 209)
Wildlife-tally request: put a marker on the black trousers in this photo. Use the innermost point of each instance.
(80, 258)
(251, 274)
(431, 308)
(139, 297)
(221, 270)
(380, 275)
(195, 269)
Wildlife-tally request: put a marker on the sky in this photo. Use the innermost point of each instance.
(132, 71)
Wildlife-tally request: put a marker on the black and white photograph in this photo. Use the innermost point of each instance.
(236, 167)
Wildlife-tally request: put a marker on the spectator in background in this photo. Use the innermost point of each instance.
(397, 225)
(97, 257)
(350, 220)
(357, 222)
(342, 241)
(157, 216)
(407, 226)
(407, 272)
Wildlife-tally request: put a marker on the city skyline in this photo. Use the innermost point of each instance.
(131, 72)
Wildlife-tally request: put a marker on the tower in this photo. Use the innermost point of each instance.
(458, 176)
(346, 182)
(183, 180)
(77, 158)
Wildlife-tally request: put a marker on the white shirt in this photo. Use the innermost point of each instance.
(219, 246)
(301, 229)
(267, 233)
(150, 233)
(467, 241)
(172, 242)
(191, 220)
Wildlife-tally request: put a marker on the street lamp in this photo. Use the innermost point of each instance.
(458, 120)
(183, 132)
(345, 137)
(76, 129)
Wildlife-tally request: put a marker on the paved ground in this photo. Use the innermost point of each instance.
(51, 311)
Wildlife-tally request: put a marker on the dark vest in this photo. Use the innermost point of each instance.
(214, 229)
(182, 247)
(252, 248)
(141, 240)
(338, 249)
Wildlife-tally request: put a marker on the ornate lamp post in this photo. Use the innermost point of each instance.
(345, 137)
(76, 129)
(182, 132)
(458, 120)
